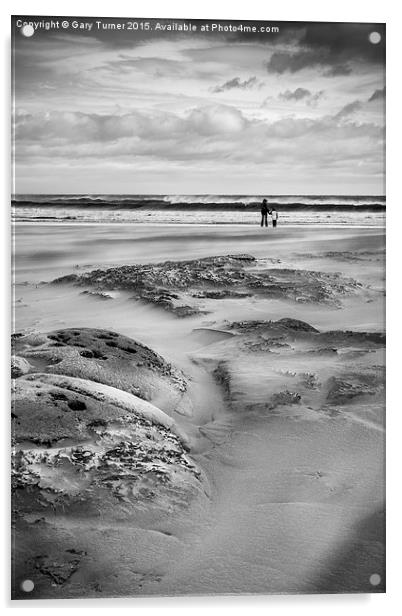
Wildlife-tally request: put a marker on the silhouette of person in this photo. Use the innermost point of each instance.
(274, 215)
(264, 213)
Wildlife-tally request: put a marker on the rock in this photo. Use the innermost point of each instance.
(99, 294)
(343, 389)
(174, 285)
(87, 447)
(90, 460)
(309, 380)
(366, 339)
(59, 571)
(296, 325)
(346, 255)
(110, 358)
(266, 335)
(221, 375)
(169, 302)
(254, 366)
(283, 326)
(273, 336)
(322, 351)
(53, 407)
(221, 294)
(19, 366)
(283, 398)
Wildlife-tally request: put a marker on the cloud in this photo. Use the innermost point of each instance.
(64, 128)
(377, 95)
(213, 133)
(236, 83)
(301, 94)
(215, 120)
(335, 49)
(343, 41)
(286, 62)
(349, 109)
(124, 113)
(296, 95)
(338, 70)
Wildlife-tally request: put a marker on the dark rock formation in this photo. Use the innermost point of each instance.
(344, 388)
(175, 285)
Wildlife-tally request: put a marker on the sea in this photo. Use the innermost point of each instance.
(347, 210)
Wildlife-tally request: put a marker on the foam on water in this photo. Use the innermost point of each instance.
(200, 209)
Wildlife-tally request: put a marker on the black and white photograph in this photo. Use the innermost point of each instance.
(198, 306)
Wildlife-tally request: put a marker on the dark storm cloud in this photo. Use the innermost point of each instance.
(331, 47)
(345, 41)
(282, 62)
(341, 40)
(285, 62)
(338, 70)
(377, 95)
(236, 83)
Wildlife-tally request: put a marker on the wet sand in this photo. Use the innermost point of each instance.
(282, 356)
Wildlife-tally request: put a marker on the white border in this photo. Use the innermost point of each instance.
(285, 10)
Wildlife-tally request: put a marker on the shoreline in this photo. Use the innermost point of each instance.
(198, 224)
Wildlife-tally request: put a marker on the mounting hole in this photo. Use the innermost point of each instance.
(375, 579)
(374, 37)
(27, 30)
(27, 585)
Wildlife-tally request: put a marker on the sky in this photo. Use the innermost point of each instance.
(299, 111)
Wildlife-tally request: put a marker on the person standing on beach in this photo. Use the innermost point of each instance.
(264, 213)
(274, 215)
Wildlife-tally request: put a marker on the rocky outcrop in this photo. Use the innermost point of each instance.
(84, 446)
(180, 286)
(105, 357)
(289, 333)
(286, 367)
(345, 388)
(87, 451)
(19, 366)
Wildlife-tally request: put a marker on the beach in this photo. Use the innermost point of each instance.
(225, 385)
(198, 400)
